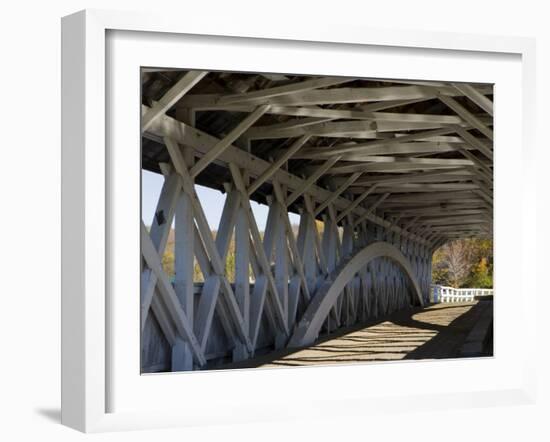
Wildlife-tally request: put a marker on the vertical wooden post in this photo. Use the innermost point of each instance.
(281, 261)
(184, 263)
(242, 272)
(381, 276)
(329, 243)
(347, 250)
(306, 247)
(429, 276)
(184, 257)
(329, 251)
(365, 276)
(271, 234)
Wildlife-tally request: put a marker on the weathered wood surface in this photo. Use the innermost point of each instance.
(432, 332)
(396, 165)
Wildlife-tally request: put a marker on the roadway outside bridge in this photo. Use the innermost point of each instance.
(438, 331)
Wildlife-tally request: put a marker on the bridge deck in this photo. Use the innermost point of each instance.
(434, 332)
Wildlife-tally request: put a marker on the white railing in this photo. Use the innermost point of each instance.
(441, 293)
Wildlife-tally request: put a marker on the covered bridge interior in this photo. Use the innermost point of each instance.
(381, 172)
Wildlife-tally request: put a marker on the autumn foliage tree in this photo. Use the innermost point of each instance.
(459, 263)
(464, 263)
(169, 258)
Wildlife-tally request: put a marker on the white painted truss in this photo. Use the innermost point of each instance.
(388, 182)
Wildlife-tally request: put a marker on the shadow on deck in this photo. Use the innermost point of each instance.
(437, 331)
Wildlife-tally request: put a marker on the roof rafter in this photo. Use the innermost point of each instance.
(405, 149)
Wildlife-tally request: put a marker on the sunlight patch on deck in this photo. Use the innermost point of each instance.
(386, 341)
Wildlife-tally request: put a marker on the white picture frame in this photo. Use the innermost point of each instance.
(90, 356)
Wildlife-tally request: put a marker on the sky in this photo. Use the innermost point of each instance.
(212, 202)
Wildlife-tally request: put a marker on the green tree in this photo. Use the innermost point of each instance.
(480, 275)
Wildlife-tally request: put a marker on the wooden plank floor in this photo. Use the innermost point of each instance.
(434, 332)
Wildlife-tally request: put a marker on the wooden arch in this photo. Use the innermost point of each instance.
(318, 309)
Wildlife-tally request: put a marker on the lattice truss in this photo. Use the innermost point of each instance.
(393, 169)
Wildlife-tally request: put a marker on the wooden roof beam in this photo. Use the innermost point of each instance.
(312, 179)
(372, 209)
(184, 85)
(270, 171)
(224, 143)
(355, 148)
(203, 142)
(423, 188)
(467, 115)
(477, 97)
(259, 96)
(475, 142)
(389, 149)
(343, 187)
(337, 96)
(396, 164)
